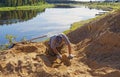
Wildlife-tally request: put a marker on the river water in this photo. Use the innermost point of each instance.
(29, 24)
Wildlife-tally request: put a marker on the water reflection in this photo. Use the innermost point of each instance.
(33, 23)
(10, 17)
(64, 6)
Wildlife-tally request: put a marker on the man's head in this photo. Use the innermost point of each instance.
(59, 39)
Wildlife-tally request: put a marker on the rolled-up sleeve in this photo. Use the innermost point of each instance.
(52, 42)
(66, 39)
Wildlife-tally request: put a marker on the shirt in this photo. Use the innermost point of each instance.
(53, 43)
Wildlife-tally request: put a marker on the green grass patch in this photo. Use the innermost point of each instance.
(104, 5)
(27, 7)
(76, 25)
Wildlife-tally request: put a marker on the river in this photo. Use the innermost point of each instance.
(33, 23)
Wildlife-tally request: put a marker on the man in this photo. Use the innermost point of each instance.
(57, 42)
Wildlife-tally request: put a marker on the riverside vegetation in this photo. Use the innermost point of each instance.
(7, 5)
(97, 5)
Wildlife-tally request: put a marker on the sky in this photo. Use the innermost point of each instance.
(88, 0)
(83, 0)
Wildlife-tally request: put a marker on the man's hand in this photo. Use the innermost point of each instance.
(71, 56)
(59, 56)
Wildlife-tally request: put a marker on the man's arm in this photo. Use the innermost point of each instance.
(69, 49)
(67, 43)
(56, 51)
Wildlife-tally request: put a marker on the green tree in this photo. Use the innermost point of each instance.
(8, 2)
(20, 2)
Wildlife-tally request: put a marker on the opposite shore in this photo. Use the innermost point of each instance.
(27, 7)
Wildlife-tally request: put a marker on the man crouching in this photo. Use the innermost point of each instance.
(56, 43)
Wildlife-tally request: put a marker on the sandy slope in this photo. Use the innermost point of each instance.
(96, 46)
(99, 41)
(30, 60)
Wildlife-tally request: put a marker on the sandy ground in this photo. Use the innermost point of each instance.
(96, 47)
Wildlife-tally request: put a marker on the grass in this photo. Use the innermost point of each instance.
(27, 7)
(76, 25)
(104, 5)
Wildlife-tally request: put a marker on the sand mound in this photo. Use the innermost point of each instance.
(31, 60)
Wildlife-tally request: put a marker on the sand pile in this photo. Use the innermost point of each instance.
(99, 42)
(96, 46)
(31, 60)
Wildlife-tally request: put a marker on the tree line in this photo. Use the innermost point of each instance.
(62, 1)
(19, 2)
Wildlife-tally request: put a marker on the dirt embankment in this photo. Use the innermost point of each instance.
(96, 46)
(99, 42)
